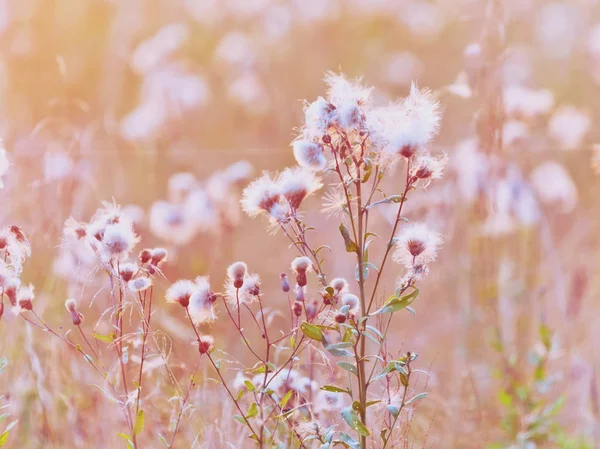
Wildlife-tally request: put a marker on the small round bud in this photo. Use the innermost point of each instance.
(158, 255)
(71, 306)
(299, 293)
(285, 285)
(327, 138)
(236, 272)
(145, 256)
(127, 271)
(340, 318)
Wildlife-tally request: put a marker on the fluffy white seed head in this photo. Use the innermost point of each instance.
(236, 272)
(428, 167)
(301, 264)
(180, 292)
(71, 305)
(248, 293)
(309, 155)
(317, 118)
(416, 245)
(296, 183)
(119, 238)
(25, 296)
(260, 195)
(339, 285)
(139, 284)
(350, 300)
(127, 271)
(201, 302)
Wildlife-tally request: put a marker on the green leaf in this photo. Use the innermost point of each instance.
(394, 304)
(388, 200)
(394, 410)
(139, 423)
(353, 420)
(351, 246)
(339, 349)
(163, 440)
(252, 411)
(348, 367)
(240, 419)
(249, 385)
(312, 331)
(334, 389)
(416, 398)
(105, 338)
(4, 435)
(348, 441)
(286, 398)
(4, 416)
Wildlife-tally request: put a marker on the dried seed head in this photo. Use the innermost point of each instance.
(119, 238)
(416, 245)
(350, 300)
(205, 344)
(297, 308)
(260, 196)
(300, 264)
(236, 272)
(285, 285)
(201, 303)
(296, 184)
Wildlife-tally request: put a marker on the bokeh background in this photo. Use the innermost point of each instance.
(104, 99)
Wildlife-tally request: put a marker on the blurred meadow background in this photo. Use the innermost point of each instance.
(167, 105)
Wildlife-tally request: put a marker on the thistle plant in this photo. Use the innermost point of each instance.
(333, 362)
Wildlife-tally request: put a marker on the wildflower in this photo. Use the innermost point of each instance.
(119, 238)
(279, 214)
(180, 185)
(201, 302)
(158, 255)
(205, 344)
(248, 293)
(6, 273)
(260, 195)
(285, 285)
(71, 306)
(236, 272)
(73, 227)
(127, 271)
(139, 284)
(296, 184)
(171, 222)
(309, 155)
(180, 292)
(238, 171)
(554, 185)
(301, 265)
(416, 245)
(428, 167)
(299, 293)
(25, 297)
(4, 165)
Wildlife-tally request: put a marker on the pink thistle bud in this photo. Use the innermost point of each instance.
(180, 292)
(285, 285)
(299, 293)
(158, 255)
(11, 287)
(297, 308)
(71, 306)
(301, 265)
(340, 318)
(25, 297)
(205, 344)
(127, 271)
(145, 256)
(236, 272)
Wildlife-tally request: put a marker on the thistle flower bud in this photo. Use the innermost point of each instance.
(25, 297)
(350, 300)
(71, 306)
(145, 256)
(11, 287)
(180, 292)
(205, 344)
(285, 285)
(301, 265)
(127, 271)
(340, 318)
(311, 310)
(158, 255)
(236, 272)
(299, 293)
(139, 284)
(297, 308)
